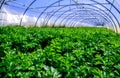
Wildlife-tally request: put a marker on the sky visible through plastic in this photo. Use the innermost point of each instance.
(72, 13)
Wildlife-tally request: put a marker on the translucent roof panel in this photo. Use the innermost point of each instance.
(60, 12)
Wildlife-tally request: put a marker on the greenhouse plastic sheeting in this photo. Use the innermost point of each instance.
(60, 13)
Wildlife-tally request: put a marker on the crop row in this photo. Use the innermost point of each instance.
(59, 53)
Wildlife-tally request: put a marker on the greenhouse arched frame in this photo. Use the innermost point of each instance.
(71, 13)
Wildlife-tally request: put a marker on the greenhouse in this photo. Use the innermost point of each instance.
(61, 12)
(59, 38)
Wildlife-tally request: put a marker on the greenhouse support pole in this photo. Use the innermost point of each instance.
(1, 3)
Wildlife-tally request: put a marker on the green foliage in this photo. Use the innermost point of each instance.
(59, 53)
